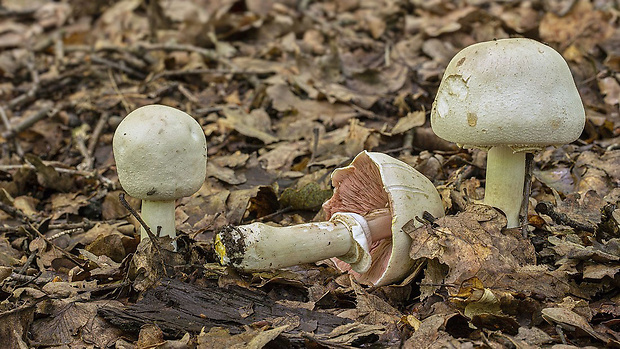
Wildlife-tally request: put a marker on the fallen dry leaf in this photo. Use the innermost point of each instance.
(469, 245)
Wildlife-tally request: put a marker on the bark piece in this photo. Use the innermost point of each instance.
(177, 307)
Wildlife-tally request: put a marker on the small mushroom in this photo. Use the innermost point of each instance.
(161, 155)
(509, 96)
(373, 199)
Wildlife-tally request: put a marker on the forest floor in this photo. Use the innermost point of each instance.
(286, 92)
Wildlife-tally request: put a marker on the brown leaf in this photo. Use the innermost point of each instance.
(470, 244)
(434, 25)
(220, 338)
(283, 155)
(349, 334)
(373, 310)
(110, 245)
(610, 89)
(233, 160)
(431, 334)
(48, 177)
(582, 25)
(285, 101)
(255, 124)
(15, 325)
(570, 321)
(226, 175)
(411, 120)
(521, 18)
(67, 204)
(9, 256)
(62, 326)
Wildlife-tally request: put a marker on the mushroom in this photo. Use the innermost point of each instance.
(373, 199)
(161, 155)
(509, 96)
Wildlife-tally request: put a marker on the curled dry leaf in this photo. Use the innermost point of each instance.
(431, 334)
(570, 321)
(569, 29)
(14, 325)
(255, 124)
(220, 338)
(470, 244)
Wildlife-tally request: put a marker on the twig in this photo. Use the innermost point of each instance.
(94, 138)
(28, 279)
(68, 255)
(9, 128)
(273, 214)
(209, 54)
(208, 110)
(561, 218)
(178, 73)
(527, 189)
(59, 49)
(5, 119)
(86, 174)
(28, 96)
(80, 141)
(154, 242)
(117, 66)
(24, 13)
(188, 94)
(68, 227)
(149, 232)
(66, 232)
(408, 141)
(126, 105)
(29, 261)
(15, 212)
(103, 288)
(202, 230)
(139, 48)
(29, 121)
(315, 145)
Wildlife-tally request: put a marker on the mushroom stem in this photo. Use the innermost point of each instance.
(380, 224)
(504, 182)
(158, 214)
(259, 246)
(267, 247)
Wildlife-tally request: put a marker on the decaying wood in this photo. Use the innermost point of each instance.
(177, 307)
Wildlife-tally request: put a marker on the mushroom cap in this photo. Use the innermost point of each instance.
(160, 153)
(376, 181)
(512, 92)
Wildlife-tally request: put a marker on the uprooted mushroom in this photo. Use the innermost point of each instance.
(373, 199)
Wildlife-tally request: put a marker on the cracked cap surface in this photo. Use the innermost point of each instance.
(513, 92)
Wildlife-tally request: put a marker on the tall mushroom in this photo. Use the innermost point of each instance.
(161, 155)
(509, 96)
(373, 198)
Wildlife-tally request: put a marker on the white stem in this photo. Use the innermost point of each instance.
(258, 246)
(158, 214)
(504, 183)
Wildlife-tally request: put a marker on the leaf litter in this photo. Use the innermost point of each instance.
(286, 92)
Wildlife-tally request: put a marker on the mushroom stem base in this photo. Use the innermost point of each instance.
(258, 246)
(504, 182)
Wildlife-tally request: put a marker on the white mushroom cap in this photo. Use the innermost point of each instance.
(377, 181)
(514, 92)
(160, 153)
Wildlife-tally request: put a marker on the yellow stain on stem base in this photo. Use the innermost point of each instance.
(220, 249)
